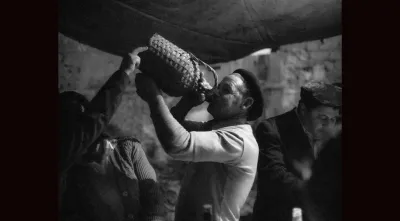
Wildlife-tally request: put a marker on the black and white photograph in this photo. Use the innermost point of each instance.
(200, 110)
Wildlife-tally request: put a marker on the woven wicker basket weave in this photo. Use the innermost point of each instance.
(176, 71)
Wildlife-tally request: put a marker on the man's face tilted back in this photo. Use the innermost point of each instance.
(230, 99)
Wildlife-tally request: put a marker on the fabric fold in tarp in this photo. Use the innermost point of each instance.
(213, 30)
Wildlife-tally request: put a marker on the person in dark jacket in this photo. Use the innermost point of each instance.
(289, 143)
(82, 122)
(112, 181)
(324, 189)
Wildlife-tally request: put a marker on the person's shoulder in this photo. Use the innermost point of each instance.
(285, 118)
(236, 129)
(268, 124)
(126, 139)
(235, 134)
(243, 133)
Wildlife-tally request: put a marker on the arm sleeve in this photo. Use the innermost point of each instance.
(78, 133)
(272, 170)
(195, 125)
(212, 146)
(150, 195)
(109, 96)
(180, 111)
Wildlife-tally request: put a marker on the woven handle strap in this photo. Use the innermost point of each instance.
(208, 67)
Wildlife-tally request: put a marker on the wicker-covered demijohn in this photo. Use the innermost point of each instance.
(176, 71)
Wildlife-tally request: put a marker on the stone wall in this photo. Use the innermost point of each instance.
(85, 69)
(283, 72)
(294, 65)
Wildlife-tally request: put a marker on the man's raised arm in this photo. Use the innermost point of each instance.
(182, 108)
(78, 135)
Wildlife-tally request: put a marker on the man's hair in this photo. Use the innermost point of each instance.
(247, 93)
(72, 100)
(247, 89)
(310, 103)
(253, 90)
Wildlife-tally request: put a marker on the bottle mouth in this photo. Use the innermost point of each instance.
(210, 95)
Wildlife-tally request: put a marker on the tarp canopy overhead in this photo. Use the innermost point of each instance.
(213, 30)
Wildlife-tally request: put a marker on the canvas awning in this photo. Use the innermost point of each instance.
(214, 30)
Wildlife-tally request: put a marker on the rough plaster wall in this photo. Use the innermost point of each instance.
(300, 63)
(283, 72)
(85, 69)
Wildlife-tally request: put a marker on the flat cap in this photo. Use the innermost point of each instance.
(326, 94)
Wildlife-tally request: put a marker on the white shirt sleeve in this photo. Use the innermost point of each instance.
(195, 125)
(222, 146)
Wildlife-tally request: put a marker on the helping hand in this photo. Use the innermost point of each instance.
(132, 61)
(305, 168)
(147, 88)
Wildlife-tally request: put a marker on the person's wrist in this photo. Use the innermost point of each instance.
(154, 98)
(188, 102)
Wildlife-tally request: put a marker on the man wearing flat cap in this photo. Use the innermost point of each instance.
(289, 143)
(224, 150)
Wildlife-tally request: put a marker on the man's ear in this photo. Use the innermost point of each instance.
(247, 103)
